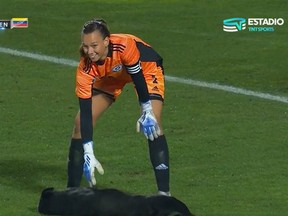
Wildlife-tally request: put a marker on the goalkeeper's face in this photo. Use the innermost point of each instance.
(95, 46)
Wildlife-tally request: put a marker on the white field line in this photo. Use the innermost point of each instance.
(191, 82)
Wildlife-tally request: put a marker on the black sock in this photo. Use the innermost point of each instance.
(159, 156)
(75, 163)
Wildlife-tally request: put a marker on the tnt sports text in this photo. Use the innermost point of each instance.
(254, 23)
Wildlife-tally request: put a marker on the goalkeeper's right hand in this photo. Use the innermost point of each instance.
(90, 163)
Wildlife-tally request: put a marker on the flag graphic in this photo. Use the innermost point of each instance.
(19, 23)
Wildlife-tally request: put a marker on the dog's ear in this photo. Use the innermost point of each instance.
(48, 192)
(45, 200)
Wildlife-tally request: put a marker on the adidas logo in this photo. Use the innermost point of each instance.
(155, 88)
(161, 167)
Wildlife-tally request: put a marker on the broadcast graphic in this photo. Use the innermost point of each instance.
(13, 23)
(252, 24)
(234, 24)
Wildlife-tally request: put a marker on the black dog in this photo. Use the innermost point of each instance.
(107, 202)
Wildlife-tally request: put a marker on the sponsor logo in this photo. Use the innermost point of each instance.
(161, 167)
(155, 88)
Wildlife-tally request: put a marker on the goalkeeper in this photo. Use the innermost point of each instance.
(107, 63)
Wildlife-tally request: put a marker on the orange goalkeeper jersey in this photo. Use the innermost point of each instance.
(125, 54)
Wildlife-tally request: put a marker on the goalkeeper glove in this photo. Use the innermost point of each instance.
(90, 163)
(147, 123)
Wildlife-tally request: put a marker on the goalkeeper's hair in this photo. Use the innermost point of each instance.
(96, 24)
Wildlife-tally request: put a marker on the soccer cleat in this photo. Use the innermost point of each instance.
(162, 193)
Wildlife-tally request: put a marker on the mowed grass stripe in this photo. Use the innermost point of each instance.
(231, 89)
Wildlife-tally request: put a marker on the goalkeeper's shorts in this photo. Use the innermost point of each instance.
(112, 86)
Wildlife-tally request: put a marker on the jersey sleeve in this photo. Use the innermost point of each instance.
(86, 125)
(131, 60)
(84, 81)
(130, 57)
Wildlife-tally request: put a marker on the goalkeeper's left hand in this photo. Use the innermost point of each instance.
(90, 163)
(147, 123)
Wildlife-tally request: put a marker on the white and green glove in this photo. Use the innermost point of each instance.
(147, 123)
(90, 163)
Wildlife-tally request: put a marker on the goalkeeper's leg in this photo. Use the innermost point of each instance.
(159, 153)
(159, 156)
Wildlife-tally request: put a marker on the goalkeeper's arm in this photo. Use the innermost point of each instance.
(86, 124)
(147, 123)
(139, 82)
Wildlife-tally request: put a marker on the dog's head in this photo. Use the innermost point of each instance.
(46, 200)
(65, 202)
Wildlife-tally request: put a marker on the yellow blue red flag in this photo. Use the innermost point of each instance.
(19, 23)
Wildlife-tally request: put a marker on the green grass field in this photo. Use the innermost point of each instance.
(228, 151)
